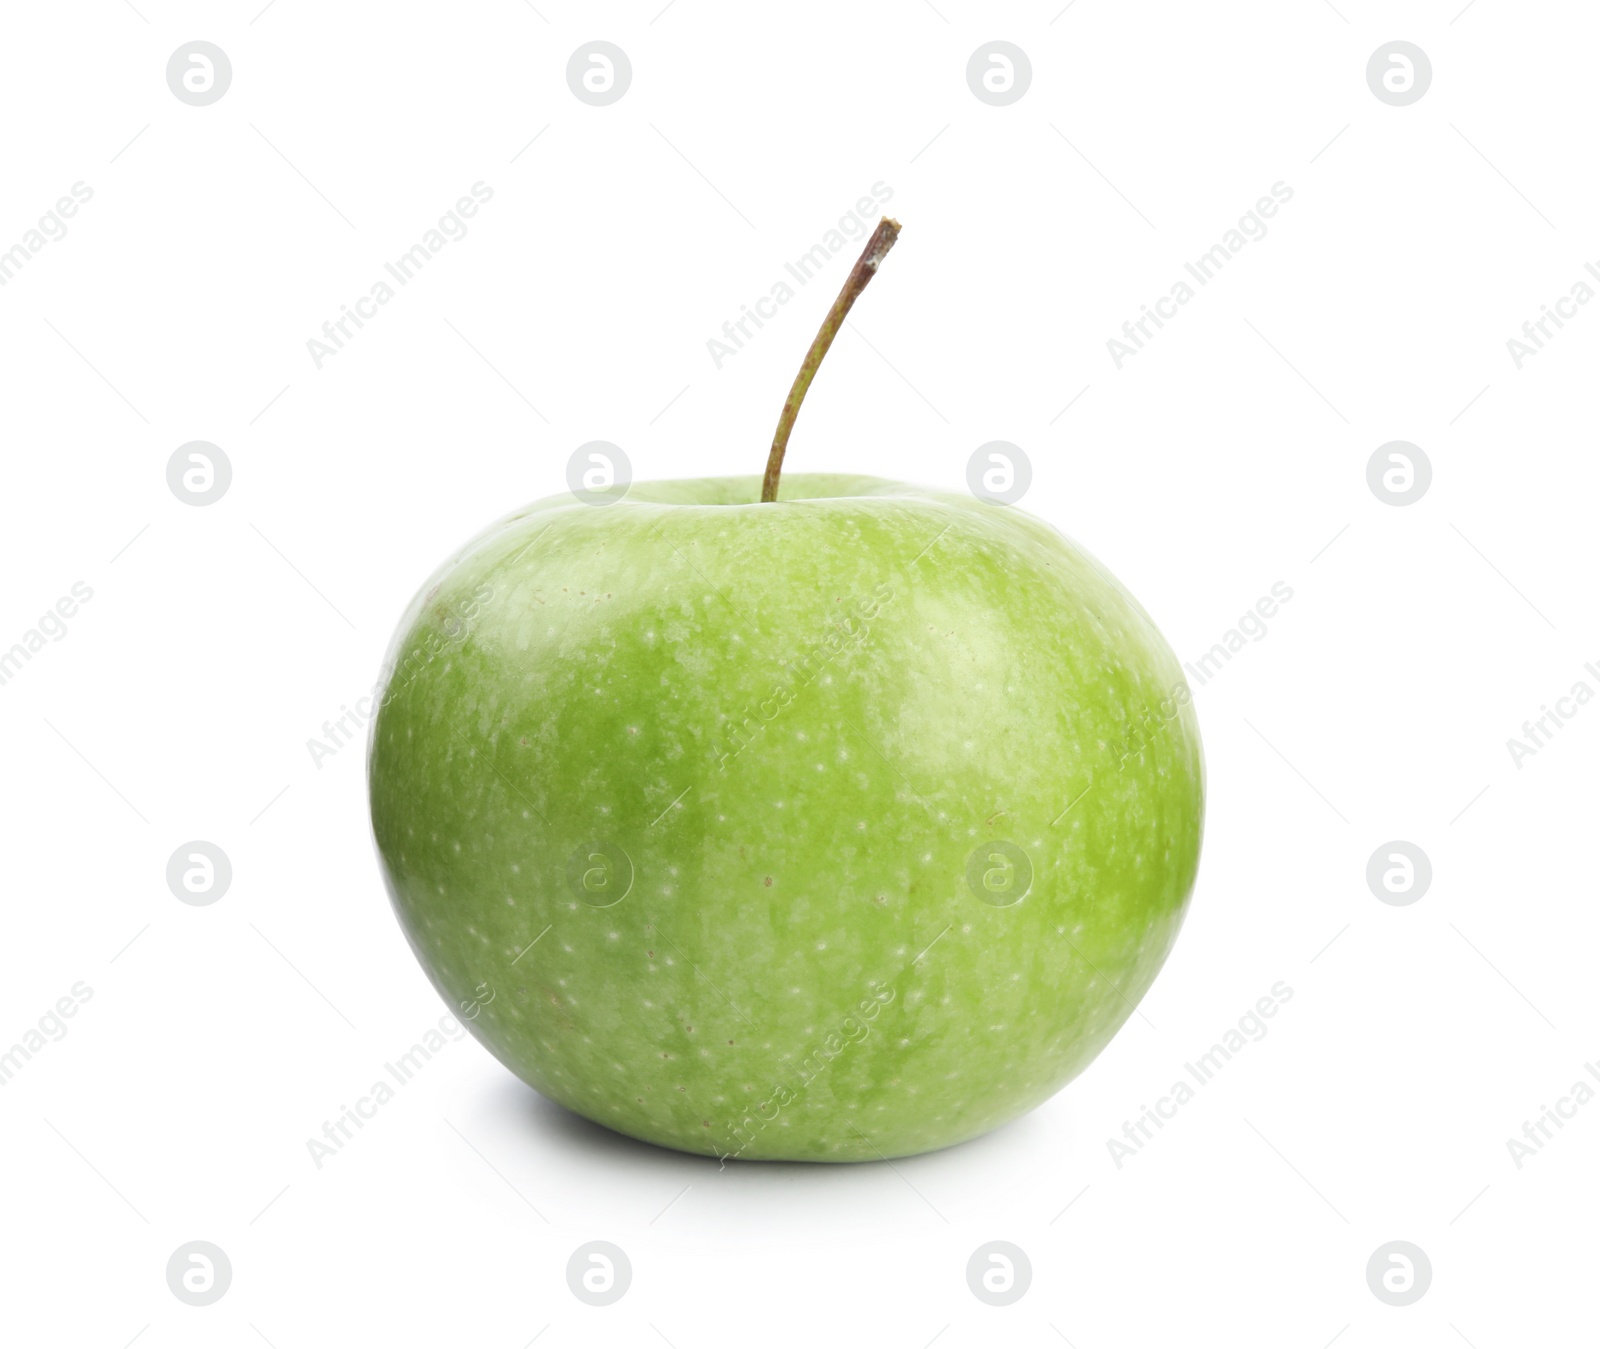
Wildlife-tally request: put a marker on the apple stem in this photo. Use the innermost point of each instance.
(878, 245)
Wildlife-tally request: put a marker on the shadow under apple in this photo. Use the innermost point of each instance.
(542, 1121)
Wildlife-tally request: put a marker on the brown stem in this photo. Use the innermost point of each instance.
(878, 245)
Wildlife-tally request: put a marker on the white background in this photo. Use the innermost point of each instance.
(1228, 455)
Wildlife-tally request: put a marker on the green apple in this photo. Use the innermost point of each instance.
(845, 825)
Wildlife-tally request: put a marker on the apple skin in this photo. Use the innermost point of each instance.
(726, 766)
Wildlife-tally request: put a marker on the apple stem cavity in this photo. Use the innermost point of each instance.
(866, 268)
